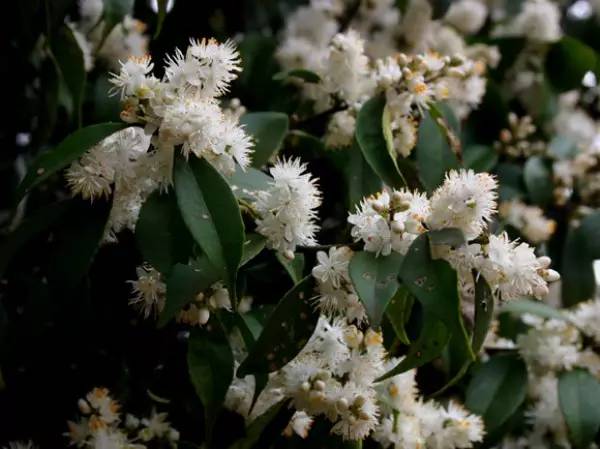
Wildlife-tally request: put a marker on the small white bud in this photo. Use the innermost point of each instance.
(319, 385)
(289, 254)
(173, 435)
(203, 315)
(342, 404)
(551, 275)
(544, 261)
(378, 206)
(84, 407)
(398, 227)
(540, 290)
(305, 386)
(359, 401)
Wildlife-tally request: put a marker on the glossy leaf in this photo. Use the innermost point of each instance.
(371, 140)
(210, 365)
(268, 425)
(212, 216)
(64, 153)
(569, 53)
(183, 284)
(398, 313)
(497, 389)
(532, 307)
(434, 154)
(481, 158)
(579, 396)
(160, 232)
(432, 340)
(253, 245)
(452, 237)
(375, 280)
(294, 267)
(244, 183)
(285, 333)
(160, 16)
(268, 129)
(360, 177)
(484, 312)
(538, 180)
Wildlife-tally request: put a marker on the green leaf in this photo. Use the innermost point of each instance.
(212, 216)
(360, 178)
(484, 312)
(510, 180)
(32, 225)
(567, 62)
(527, 306)
(303, 74)
(77, 241)
(253, 245)
(452, 237)
(114, 13)
(582, 247)
(210, 365)
(285, 333)
(398, 313)
(481, 158)
(372, 143)
(497, 389)
(434, 284)
(70, 61)
(160, 16)
(64, 153)
(579, 396)
(562, 147)
(375, 280)
(538, 180)
(160, 232)
(434, 155)
(268, 130)
(244, 183)
(294, 267)
(183, 284)
(432, 340)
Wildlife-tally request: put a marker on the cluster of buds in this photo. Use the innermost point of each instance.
(516, 140)
(198, 312)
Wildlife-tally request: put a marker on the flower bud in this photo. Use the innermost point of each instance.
(203, 315)
(319, 385)
(551, 275)
(397, 227)
(378, 206)
(84, 407)
(289, 255)
(342, 404)
(305, 386)
(544, 261)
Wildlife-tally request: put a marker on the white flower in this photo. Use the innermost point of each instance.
(300, 423)
(340, 129)
(538, 20)
(461, 429)
(133, 78)
(467, 15)
(156, 426)
(333, 267)
(126, 40)
(529, 220)
(586, 317)
(466, 200)
(149, 291)
(287, 209)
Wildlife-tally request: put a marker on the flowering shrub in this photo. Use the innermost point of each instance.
(340, 224)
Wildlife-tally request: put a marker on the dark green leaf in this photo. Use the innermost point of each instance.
(210, 365)
(484, 312)
(183, 284)
(268, 130)
(253, 245)
(212, 216)
(567, 62)
(266, 427)
(371, 140)
(398, 312)
(510, 179)
(375, 280)
(285, 333)
(69, 58)
(538, 180)
(294, 267)
(434, 284)
(581, 248)
(361, 179)
(434, 155)
(497, 389)
(160, 16)
(244, 183)
(481, 158)
(579, 396)
(432, 340)
(452, 237)
(64, 153)
(532, 307)
(303, 74)
(77, 242)
(160, 232)
(439, 8)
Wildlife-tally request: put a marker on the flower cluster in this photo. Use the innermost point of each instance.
(529, 220)
(334, 376)
(336, 294)
(125, 40)
(465, 201)
(181, 110)
(287, 208)
(101, 425)
(516, 140)
(149, 295)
